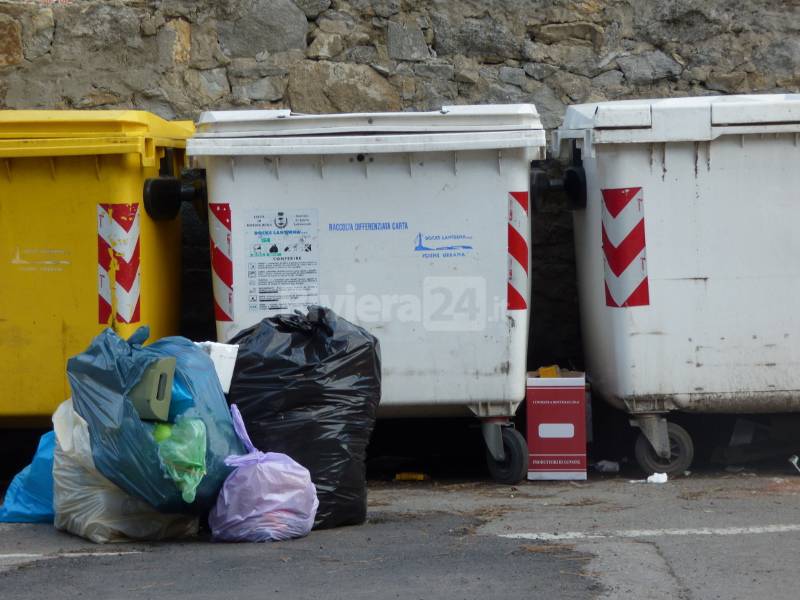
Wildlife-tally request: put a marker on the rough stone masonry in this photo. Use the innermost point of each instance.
(178, 57)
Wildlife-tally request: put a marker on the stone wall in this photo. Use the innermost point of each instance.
(178, 57)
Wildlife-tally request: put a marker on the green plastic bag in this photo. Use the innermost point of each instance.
(183, 455)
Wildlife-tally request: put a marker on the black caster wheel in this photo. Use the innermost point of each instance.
(514, 467)
(681, 452)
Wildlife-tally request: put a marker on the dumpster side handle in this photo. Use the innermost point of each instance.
(163, 195)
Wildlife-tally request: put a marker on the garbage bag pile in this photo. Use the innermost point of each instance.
(309, 386)
(147, 448)
(112, 470)
(123, 445)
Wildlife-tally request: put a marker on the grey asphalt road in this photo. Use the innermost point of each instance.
(432, 555)
(715, 535)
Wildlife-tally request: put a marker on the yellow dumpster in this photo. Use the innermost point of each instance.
(79, 250)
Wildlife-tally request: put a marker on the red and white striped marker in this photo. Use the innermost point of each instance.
(624, 248)
(118, 264)
(219, 221)
(517, 251)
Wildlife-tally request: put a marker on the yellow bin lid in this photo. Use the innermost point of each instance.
(27, 133)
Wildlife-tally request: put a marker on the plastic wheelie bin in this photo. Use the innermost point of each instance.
(686, 215)
(80, 251)
(413, 225)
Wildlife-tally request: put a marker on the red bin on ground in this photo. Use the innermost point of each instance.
(556, 425)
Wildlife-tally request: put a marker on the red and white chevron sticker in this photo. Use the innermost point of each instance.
(624, 248)
(219, 222)
(517, 251)
(118, 264)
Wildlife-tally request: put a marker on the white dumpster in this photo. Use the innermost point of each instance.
(413, 225)
(688, 258)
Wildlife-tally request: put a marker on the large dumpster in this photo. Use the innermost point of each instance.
(79, 251)
(413, 225)
(688, 258)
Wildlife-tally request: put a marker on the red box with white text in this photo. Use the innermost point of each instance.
(556, 423)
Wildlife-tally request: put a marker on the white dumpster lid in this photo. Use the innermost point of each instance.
(680, 119)
(451, 128)
(280, 123)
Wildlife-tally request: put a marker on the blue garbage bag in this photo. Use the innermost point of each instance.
(29, 498)
(181, 400)
(123, 446)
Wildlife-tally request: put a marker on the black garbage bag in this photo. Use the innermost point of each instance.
(309, 386)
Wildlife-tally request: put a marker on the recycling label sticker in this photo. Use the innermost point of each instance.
(282, 259)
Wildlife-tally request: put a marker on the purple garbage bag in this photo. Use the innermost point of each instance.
(268, 496)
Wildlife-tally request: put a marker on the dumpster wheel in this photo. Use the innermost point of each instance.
(514, 467)
(681, 452)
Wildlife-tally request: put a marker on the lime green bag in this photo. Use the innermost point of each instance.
(182, 450)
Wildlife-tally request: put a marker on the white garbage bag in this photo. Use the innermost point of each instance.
(89, 505)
